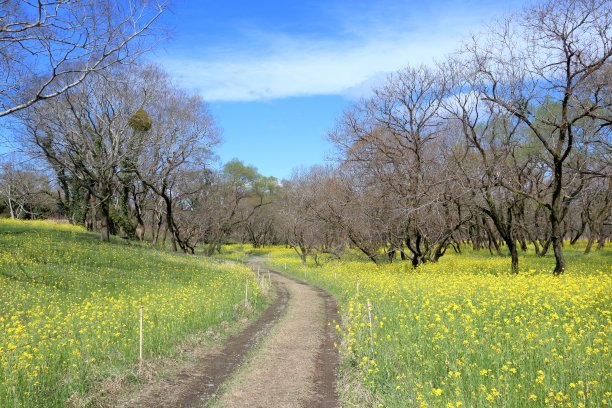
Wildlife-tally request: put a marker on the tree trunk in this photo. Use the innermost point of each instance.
(545, 246)
(475, 238)
(493, 244)
(160, 221)
(601, 242)
(491, 238)
(514, 255)
(372, 256)
(140, 231)
(457, 248)
(303, 253)
(556, 219)
(170, 222)
(105, 221)
(589, 245)
(441, 250)
(140, 223)
(505, 230)
(417, 253)
(557, 242)
(559, 257)
(10, 203)
(580, 230)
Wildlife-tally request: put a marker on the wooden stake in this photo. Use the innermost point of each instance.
(370, 320)
(141, 335)
(246, 293)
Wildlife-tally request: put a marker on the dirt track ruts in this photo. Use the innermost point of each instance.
(294, 367)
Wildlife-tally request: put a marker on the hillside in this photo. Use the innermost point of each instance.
(69, 308)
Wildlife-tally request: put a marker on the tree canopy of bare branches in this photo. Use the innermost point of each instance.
(48, 47)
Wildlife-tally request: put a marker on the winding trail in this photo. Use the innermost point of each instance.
(286, 358)
(296, 365)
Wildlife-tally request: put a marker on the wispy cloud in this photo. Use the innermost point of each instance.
(268, 65)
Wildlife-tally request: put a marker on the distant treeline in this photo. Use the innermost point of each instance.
(505, 142)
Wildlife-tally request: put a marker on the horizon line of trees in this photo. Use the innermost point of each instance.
(506, 143)
(107, 141)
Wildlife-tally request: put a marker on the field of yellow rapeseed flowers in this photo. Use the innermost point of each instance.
(69, 307)
(466, 333)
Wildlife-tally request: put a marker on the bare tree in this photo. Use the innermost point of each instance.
(545, 66)
(97, 137)
(86, 134)
(48, 47)
(354, 212)
(244, 200)
(596, 208)
(296, 217)
(25, 190)
(490, 154)
(181, 137)
(395, 139)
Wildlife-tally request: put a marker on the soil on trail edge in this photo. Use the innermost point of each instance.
(295, 366)
(199, 380)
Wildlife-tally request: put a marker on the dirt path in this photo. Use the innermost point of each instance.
(294, 364)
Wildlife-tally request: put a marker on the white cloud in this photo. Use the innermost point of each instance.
(277, 65)
(300, 70)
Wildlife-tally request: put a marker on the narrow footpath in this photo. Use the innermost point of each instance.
(286, 358)
(296, 364)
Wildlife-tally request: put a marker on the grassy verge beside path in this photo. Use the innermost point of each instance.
(69, 307)
(465, 333)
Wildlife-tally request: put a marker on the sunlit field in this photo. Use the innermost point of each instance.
(466, 333)
(69, 308)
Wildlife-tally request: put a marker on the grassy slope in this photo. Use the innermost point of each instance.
(69, 307)
(464, 332)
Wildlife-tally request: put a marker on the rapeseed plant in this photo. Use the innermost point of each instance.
(465, 332)
(69, 307)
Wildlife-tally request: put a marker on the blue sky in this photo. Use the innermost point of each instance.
(277, 74)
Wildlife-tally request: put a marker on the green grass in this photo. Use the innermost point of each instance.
(69, 307)
(466, 333)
